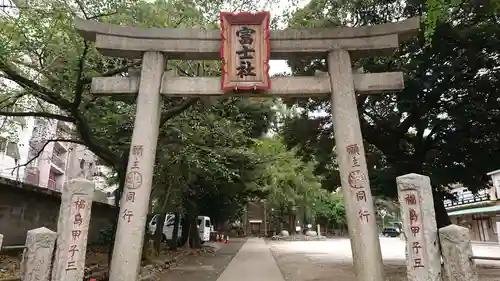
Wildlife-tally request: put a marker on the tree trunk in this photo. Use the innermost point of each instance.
(185, 231)
(442, 218)
(194, 236)
(282, 214)
(158, 235)
(122, 170)
(175, 232)
(146, 244)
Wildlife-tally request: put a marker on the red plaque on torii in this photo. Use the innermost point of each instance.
(245, 51)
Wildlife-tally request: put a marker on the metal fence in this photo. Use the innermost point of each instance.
(484, 258)
(15, 247)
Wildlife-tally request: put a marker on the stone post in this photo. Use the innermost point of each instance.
(318, 227)
(134, 203)
(37, 257)
(1, 240)
(350, 151)
(72, 230)
(456, 250)
(423, 261)
(498, 232)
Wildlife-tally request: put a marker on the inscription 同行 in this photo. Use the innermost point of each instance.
(364, 216)
(130, 196)
(361, 195)
(356, 179)
(127, 215)
(245, 54)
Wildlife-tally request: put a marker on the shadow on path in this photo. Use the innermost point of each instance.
(205, 267)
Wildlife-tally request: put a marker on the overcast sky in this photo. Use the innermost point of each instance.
(278, 66)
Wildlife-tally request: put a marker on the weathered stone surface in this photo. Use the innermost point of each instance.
(364, 83)
(456, 250)
(423, 262)
(498, 234)
(72, 230)
(23, 208)
(114, 40)
(350, 151)
(37, 257)
(135, 200)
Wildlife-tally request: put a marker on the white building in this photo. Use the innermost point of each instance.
(101, 180)
(26, 156)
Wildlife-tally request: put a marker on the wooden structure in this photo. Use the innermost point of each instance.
(245, 51)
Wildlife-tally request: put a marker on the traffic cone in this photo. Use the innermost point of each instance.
(217, 239)
(227, 239)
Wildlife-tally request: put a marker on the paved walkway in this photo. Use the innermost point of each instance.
(254, 262)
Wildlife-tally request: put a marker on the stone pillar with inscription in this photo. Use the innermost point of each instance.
(37, 257)
(72, 230)
(456, 250)
(350, 151)
(134, 203)
(423, 261)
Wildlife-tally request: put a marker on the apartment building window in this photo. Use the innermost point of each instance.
(9, 148)
(58, 158)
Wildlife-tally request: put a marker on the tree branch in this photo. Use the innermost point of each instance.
(101, 150)
(39, 114)
(167, 115)
(42, 92)
(80, 82)
(114, 72)
(103, 15)
(43, 147)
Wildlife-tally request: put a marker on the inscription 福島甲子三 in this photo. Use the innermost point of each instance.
(78, 207)
(414, 219)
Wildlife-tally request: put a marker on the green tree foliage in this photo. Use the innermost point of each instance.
(443, 124)
(286, 182)
(331, 211)
(202, 143)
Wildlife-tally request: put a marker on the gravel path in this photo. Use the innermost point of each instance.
(331, 260)
(206, 267)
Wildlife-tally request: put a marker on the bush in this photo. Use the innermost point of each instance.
(106, 236)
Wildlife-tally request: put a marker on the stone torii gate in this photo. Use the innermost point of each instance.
(155, 45)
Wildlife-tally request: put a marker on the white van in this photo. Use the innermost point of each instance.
(204, 227)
